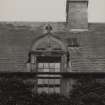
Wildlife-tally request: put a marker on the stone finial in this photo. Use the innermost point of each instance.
(48, 28)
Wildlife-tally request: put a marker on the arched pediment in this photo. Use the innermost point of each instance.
(49, 43)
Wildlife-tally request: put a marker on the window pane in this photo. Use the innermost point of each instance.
(52, 70)
(45, 70)
(45, 81)
(43, 76)
(40, 81)
(57, 81)
(49, 67)
(40, 65)
(46, 65)
(51, 90)
(51, 81)
(49, 85)
(52, 65)
(43, 89)
(57, 90)
(57, 65)
(57, 70)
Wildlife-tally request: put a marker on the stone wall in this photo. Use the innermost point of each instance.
(16, 43)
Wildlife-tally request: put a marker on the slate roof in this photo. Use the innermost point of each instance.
(17, 38)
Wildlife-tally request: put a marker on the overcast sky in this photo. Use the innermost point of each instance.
(45, 10)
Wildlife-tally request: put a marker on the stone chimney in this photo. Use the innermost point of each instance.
(77, 15)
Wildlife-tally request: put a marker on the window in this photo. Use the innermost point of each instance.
(49, 58)
(48, 83)
(72, 42)
(48, 67)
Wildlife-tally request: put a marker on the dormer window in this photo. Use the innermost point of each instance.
(48, 59)
(48, 68)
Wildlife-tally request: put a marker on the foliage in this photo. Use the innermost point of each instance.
(88, 91)
(50, 99)
(14, 91)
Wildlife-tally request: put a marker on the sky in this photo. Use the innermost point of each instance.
(46, 10)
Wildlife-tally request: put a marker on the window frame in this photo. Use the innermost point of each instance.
(33, 67)
(48, 85)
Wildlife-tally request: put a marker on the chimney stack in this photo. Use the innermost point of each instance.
(77, 15)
